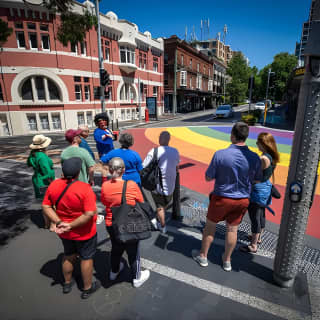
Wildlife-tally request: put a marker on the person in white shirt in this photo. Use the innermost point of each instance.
(168, 163)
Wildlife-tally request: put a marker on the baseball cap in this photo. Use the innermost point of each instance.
(71, 167)
(71, 133)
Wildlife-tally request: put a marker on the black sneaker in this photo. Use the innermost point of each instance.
(67, 287)
(94, 287)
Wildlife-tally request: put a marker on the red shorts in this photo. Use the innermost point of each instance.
(231, 210)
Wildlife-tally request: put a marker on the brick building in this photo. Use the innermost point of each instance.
(47, 87)
(200, 79)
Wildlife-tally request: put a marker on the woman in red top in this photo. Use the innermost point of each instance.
(111, 193)
(75, 223)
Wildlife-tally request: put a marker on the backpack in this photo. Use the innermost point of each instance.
(151, 174)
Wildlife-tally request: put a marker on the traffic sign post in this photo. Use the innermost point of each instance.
(303, 168)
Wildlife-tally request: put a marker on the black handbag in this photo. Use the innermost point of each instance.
(130, 223)
(275, 192)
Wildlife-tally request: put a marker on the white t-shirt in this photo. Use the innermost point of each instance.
(168, 161)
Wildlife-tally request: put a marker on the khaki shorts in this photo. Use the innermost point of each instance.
(161, 201)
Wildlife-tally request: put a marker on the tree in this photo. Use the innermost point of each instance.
(73, 26)
(5, 32)
(240, 73)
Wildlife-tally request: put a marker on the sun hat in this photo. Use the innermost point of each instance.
(71, 133)
(71, 167)
(39, 141)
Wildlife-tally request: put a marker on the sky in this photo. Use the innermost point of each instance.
(258, 28)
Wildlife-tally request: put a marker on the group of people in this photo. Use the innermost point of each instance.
(69, 203)
(242, 183)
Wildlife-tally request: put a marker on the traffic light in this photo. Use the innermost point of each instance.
(107, 94)
(104, 78)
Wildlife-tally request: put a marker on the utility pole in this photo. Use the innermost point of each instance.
(303, 168)
(139, 100)
(174, 106)
(102, 98)
(267, 90)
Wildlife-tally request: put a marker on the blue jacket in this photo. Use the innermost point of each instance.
(84, 144)
(103, 146)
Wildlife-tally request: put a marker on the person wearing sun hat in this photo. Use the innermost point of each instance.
(41, 164)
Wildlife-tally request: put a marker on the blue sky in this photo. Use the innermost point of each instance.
(258, 28)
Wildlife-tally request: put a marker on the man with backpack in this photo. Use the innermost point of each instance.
(167, 162)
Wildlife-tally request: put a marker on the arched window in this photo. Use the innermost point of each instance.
(39, 88)
(127, 92)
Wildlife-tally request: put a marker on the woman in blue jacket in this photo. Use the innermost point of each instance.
(260, 196)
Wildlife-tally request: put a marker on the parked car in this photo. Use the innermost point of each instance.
(224, 111)
(259, 106)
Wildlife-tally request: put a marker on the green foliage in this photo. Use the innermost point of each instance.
(251, 118)
(240, 72)
(5, 32)
(73, 26)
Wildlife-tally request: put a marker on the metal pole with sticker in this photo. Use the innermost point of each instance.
(303, 168)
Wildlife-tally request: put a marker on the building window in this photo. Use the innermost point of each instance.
(166, 79)
(77, 79)
(26, 90)
(44, 27)
(80, 116)
(56, 121)
(123, 115)
(74, 47)
(96, 93)
(182, 60)
(40, 88)
(83, 48)
(87, 93)
(127, 55)
(142, 60)
(190, 83)
(145, 92)
(1, 93)
(210, 85)
(18, 25)
(106, 50)
(198, 67)
(32, 122)
(199, 82)
(190, 63)
(31, 26)
(155, 91)
(155, 64)
(204, 69)
(111, 115)
(89, 118)
(77, 92)
(44, 120)
(20, 39)
(128, 114)
(33, 42)
(53, 90)
(45, 42)
(209, 71)
(183, 78)
(127, 92)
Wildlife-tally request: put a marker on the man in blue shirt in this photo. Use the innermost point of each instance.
(84, 135)
(102, 134)
(234, 169)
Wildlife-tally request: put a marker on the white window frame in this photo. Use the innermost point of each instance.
(190, 82)
(56, 124)
(89, 118)
(18, 41)
(155, 91)
(87, 92)
(210, 85)
(182, 60)
(30, 42)
(199, 81)
(80, 116)
(155, 65)
(129, 52)
(33, 126)
(41, 116)
(45, 35)
(83, 48)
(78, 92)
(183, 78)
(76, 48)
(198, 67)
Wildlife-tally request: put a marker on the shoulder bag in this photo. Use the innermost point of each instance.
(130, 223)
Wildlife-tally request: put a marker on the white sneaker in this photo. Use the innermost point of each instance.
(113, 275)
(154, 223)
(144, 276)
(100, 218)
(161, 228)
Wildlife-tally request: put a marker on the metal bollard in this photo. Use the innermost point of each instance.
(112, 125)
(117, 124)
(176, 203)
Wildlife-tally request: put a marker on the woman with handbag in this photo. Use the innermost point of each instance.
(111, 196)
(260, 196)
(41, 164)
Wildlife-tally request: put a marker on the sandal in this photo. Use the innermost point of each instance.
(250, 239)
(248, 249)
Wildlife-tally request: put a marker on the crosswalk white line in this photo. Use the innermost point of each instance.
(226, 292)
(19, 172)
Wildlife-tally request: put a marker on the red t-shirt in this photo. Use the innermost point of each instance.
(111, 192)
(78, 199)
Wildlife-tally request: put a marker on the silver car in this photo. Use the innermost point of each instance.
(224, 111)
(259, 106)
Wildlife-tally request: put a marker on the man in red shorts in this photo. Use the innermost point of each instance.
(234, 169)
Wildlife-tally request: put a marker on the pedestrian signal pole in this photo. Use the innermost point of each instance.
(303, 168)
(101, 68)
(251, 80)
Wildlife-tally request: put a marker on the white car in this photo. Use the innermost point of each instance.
(224, 111)
(259, 106)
